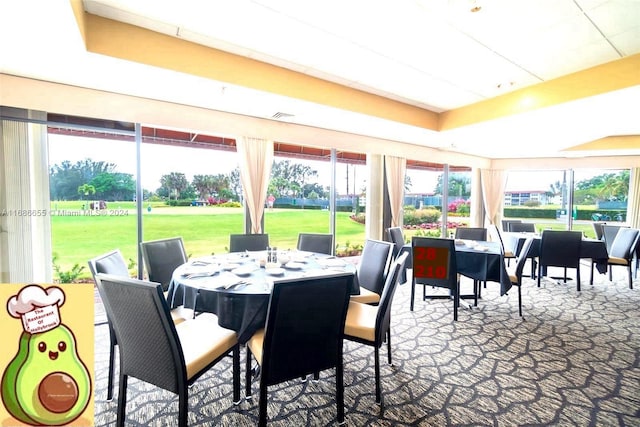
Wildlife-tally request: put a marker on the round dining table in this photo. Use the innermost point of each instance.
(237, 286)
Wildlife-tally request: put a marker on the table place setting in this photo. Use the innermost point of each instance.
(331, 262)
(200, 270)
(224, 280)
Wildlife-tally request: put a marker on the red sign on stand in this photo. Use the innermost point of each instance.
(430, 262)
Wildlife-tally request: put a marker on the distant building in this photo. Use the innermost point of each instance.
(518, 198)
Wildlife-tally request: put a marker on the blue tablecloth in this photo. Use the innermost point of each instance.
(243, 307)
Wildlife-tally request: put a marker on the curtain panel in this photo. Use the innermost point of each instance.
(633, 209)
(493, 183)
(395, 169)
(256, 160)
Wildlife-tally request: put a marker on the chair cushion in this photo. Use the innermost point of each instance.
(203, 341)
(366, 297)
(509, 254)
(180, 314)
(618, 261)
(255, 344)
(361, 321)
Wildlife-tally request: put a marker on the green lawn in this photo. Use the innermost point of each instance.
(205, 230)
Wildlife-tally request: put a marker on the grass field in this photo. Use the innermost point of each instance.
(77, 237)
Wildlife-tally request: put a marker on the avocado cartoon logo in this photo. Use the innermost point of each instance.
(46, 383)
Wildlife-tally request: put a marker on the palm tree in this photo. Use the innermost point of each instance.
(175, 182)
(86, 190)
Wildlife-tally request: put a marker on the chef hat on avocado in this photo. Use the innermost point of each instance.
(37, 307)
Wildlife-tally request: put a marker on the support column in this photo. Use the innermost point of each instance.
(375, 196)
(25, 223)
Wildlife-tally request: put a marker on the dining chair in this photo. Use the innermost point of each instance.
(515, 276)
(372, 270)
(161, 257)
(110, 263)
(113, 263)
(155, 350)
(434, 264)
(560, 248)
(303, 335)
(609, 233)
(396, 236)
(248, 242)
(597, 229)
(522, 227)
(371, 325)
(496, 236)
(622, 252)
(471, 233)
(315, 242)
(505, 223)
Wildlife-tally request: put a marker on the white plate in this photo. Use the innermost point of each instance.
(294, 265)
(244, 270)
(277, 271)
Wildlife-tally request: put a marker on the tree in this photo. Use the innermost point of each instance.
(288, 179)
(114, 186)
(86, 190)
(66, 177)
(615, 187)
(203, 185)
(175, 183)
(235, 185)
(315, 188)
(459, 185)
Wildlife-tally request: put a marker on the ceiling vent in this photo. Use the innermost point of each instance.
(282, 116)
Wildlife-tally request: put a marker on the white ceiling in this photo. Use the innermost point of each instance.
(434, 54)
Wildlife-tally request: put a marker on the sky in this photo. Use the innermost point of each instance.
(159, 160)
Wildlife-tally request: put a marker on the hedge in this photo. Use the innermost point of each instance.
(582, 214)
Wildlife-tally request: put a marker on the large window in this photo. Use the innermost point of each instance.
(563, 199)
(92, 186)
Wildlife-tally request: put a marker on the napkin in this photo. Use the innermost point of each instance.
(332, 262)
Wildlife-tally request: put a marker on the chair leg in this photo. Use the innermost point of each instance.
(456, 301)
(112, 360)
(262, 411)
(247, 378)
(183, 407)
(539, 273)
(236, 374)
(610, 268)
(476, 287)
(630, 278)
(578, 277)
(520, 299)
(122, 401)
(591, 275)
(389, 346)
(413, 292)
(376, 357)
(340, 392)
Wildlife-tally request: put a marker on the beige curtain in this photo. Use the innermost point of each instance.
(256, 159)
(493, 183)
(633, 208)
(395, 168)
(476, 213)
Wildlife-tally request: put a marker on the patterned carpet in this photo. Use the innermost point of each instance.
(574, 359)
